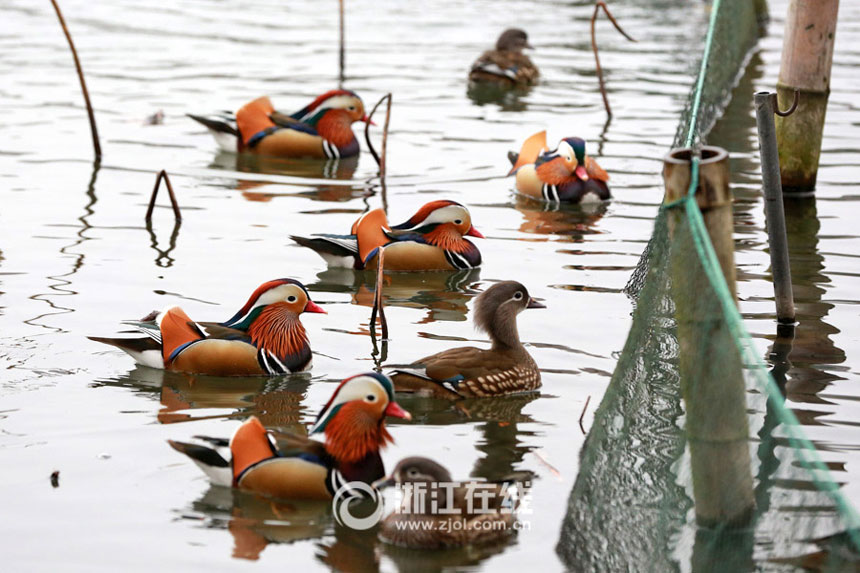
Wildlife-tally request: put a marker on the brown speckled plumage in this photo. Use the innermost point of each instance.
(506, 64)
(505, 368)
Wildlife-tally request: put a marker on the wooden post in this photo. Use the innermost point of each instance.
(807, 55)
(711, 371)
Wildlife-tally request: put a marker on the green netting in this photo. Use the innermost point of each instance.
(691, 412)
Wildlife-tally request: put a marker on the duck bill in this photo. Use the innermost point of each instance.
(535, 304)
(581, 173)
(473, 232)
(381, 483)
(314, 307)
(395, 411)
(366, 119)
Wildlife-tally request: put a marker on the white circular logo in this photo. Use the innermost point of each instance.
(354, 491)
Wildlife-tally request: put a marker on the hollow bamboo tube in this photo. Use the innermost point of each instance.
(807, 55)
(712, 381)
(772, 187)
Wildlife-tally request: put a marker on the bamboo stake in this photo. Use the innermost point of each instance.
(807, 57)
(597, 7)
(96, 145)
(163, 175)
(711, 369)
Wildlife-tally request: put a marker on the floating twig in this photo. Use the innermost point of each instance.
(380, 160)
(552, 470)
(377, 299)
(597, 6)
(96, 145)
(581, 416)
(163, 175)
(342, 48)
(55, 478)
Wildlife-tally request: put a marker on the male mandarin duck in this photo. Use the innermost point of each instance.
(353, 426)
(437, 513)
(323, 129)
(469, 372)
(264, 338)
(431, 240)
(506, 64)
(565, 175)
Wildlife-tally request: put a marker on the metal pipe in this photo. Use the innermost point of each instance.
(765, 108)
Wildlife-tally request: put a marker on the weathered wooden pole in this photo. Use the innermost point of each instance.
(711, 371)
(807, 55)
(777, 239)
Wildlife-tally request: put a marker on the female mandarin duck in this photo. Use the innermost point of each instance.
(507, 64)
(265, 337)
(474, 512)
(468, 372)
(353, 426)
(566, 175)
(431, 240)
(323, 129)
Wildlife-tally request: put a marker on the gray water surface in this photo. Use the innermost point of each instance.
(76, 257)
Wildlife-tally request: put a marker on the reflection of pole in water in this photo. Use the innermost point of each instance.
(813, 346)
(62, 280)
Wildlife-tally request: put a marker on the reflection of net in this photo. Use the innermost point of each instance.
(631, 507)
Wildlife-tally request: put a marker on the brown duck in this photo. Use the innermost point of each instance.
(474, 512)
(467, 372)
(506, 64)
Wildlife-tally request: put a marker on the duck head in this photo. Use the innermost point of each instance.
(513, 40)
(441, 218)
(344, 100)
(573, 149)
(415, 469)
(353, 420)
(496, 311)
(290, 296)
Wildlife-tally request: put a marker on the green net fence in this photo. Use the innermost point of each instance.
(694, 461)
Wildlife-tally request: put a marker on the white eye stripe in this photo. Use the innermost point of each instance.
(444, 215)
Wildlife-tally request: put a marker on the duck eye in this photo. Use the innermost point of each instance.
(291, 298)
(412, 472)
(458, 221)
(370, 398)
(518, 295)
(351, 108)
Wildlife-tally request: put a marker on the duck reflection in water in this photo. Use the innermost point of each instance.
(507, 98)
(277, 402)
(500, 420)
(328, 169)
(575, 221)
(443, 294)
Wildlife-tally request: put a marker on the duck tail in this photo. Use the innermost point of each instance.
(207, 459)
(530, 151)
